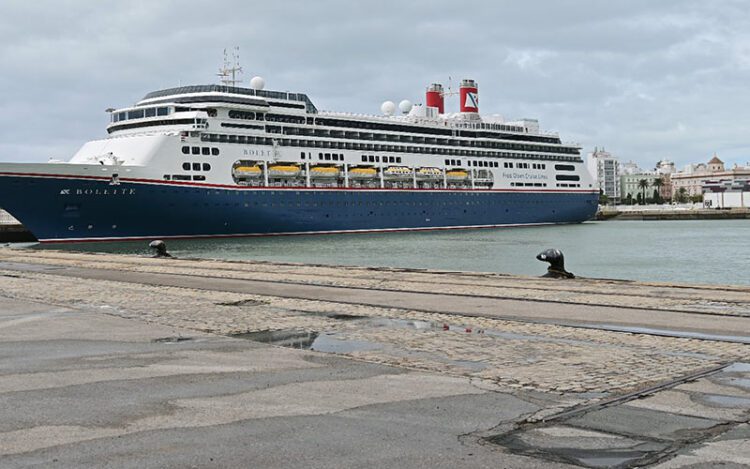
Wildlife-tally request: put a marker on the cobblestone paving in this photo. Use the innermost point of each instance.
(719, 300)
(509, 354)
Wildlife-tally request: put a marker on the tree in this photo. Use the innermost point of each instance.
(656, 197)
(629, 199)
(696, 199)
(658, 183)
(603, 199)
(639, 199)
(643, 185)
(681, 195)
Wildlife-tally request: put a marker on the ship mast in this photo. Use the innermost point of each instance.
(230, 72)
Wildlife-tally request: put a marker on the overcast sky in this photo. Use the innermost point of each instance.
(645, 79)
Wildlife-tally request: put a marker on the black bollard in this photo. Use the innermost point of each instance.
(556, 261)
(160, 248)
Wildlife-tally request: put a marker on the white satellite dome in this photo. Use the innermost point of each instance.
(257, 83)
(388, 108)
(405, 106)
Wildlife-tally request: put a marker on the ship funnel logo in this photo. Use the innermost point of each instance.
(472, 100)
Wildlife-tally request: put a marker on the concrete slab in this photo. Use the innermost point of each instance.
(124, 398)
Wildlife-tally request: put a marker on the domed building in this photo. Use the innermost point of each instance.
(694, 178)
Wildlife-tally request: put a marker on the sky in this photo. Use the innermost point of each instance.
(644, 79)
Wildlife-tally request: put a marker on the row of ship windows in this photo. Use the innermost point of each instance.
(196, 166)
(323, 156)
(184, 177)
(568, 185)
(246, 139)
(376, 159)
(140, 113)
(528, 184)
(292, 119)
(367, 136)
(207, 151)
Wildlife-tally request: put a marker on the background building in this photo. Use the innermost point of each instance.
(726, 193)
(604, 168)
(695, 177)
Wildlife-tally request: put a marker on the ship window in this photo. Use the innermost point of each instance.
(186, 166)
(162, 111)
(302, 155)
(377, 159)
(215, 151)
(180, 177)
(398, 159)
(199, 177)
(364, 157)
(185, 150)
(447, 162)
(196, 150)
(371, 158)
(121, 116)
(167, 177)
(196, 166)
(320, 156)
(327, 156)
(206, 151)
(206, 167)
(151, 112)
(135, 114)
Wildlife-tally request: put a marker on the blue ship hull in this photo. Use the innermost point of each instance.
(57, 209)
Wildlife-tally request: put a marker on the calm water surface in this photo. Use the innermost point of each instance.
(700, 251)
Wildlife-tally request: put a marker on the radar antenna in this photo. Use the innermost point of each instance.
(449, 91)
(230, 73)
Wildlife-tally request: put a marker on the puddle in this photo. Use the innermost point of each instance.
(345, 317)
(171, 340)
(320, 342)
(738, 367)
(285, 338)
(726, 401)
(243, 303)
(607, 459)
(672, 333)
(610, 454)
(743, 383)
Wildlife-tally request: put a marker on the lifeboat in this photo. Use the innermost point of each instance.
(457, 175)
(397, 172)
(362, 173)
(429, 174)
(284, 171)
(324, 172)
(248, 171)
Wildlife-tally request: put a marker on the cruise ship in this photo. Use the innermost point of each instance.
(221, 160)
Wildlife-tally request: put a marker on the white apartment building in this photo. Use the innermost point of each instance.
(605, 169)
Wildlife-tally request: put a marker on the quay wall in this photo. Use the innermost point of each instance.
(700, 214)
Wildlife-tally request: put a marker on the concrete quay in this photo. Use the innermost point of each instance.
(127, 361)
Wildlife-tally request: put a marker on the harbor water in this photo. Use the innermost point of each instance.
(694, 251)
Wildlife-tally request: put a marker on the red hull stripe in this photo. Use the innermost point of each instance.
(317, 189)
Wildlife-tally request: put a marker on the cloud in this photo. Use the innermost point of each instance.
(645, 79)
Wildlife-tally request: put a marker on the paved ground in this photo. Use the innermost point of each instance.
(133, 362)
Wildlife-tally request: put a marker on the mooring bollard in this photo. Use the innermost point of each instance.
(556, 261)
(160, 248)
